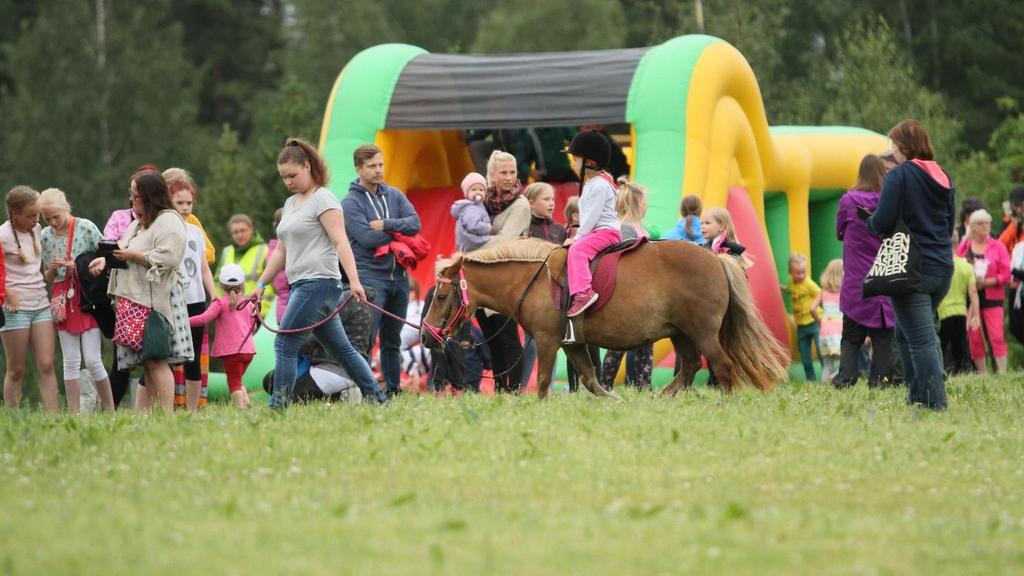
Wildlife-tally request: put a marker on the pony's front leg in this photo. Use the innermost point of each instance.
(546, 353)
(577, 354)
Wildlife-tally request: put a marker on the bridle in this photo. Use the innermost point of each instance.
(442, 333)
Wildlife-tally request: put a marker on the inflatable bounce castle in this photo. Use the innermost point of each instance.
(697, 125)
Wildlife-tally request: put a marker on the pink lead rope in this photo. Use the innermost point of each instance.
(259, 321)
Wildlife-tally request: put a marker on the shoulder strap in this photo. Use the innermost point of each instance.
(71, 237)
(608, 178)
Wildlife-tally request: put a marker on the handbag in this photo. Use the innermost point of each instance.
(130, 326)
(59, 302)
(156, 342)
(156, 338)
(143, 329)
(896, 269)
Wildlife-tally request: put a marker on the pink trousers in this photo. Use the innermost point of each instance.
(992, 319)
(582, 251)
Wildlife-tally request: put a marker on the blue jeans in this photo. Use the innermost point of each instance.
(393, 296)
(309, 302)
(918, 344)
(476, 358)
(805, 336)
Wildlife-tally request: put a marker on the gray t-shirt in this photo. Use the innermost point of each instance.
(309, 252)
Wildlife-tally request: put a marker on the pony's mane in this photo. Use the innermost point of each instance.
(522, 250)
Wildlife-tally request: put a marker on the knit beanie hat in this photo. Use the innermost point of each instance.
(471, 179)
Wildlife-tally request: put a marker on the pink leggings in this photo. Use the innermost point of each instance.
(992, 319)
(582, 251)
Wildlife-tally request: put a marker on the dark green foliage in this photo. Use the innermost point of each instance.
(215, 86)
(92, 101)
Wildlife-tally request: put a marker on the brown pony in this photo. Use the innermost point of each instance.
(669, 289)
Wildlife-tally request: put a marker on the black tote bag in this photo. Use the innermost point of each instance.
(897, 267)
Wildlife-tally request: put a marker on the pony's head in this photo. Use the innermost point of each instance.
(450, 308)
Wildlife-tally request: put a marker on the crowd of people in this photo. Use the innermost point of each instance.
(152, 281)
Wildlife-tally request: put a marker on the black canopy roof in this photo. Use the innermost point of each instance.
(445, 91)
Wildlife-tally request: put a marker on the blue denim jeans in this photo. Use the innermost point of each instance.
(309, 302)
(476, 358)
(805, 336)
(393, 296)
(918, 344)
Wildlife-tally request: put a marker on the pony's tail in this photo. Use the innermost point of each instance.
(757, 357)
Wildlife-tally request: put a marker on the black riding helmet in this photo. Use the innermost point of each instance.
(591, 145)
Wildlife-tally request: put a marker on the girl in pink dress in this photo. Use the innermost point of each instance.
(233, 336)
(831, 320)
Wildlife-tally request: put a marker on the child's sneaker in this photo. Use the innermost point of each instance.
(581, 302)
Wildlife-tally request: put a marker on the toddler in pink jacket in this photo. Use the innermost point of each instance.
(233, 343)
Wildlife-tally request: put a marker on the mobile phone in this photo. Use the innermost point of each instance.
(106, 249)
(863, 212)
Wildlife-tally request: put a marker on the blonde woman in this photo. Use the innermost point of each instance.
(63, 240)
(27, 306)
(508, 207)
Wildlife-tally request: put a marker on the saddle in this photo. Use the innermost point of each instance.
(604, 270)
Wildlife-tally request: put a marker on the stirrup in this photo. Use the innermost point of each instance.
(570, 333)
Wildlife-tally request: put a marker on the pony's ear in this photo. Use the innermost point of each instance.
(447, 268)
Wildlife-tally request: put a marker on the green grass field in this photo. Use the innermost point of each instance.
(805, 480)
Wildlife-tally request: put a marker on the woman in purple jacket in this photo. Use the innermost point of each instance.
(863, 317)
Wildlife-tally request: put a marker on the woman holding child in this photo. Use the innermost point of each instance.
(510, 219)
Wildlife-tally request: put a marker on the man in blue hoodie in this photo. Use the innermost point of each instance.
(373, 211)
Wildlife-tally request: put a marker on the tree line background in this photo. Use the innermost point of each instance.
(90, 89)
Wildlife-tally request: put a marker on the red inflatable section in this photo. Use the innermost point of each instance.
(764, 281)
(436, 224)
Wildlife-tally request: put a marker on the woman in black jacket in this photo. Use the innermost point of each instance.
(920, 193)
